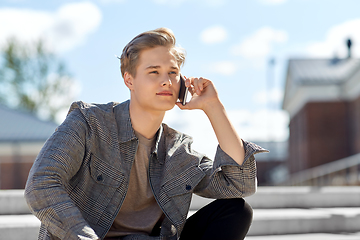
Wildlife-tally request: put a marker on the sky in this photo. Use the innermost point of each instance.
(243, 46)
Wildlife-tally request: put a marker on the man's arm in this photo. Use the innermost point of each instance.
(58, 161)
(226, 135)
(205, 97)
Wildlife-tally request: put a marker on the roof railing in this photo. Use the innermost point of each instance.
(343, 172)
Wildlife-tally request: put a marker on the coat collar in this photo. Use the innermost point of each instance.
(126, 132)
(122, 116)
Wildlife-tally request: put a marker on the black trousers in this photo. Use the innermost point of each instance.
(222, 219)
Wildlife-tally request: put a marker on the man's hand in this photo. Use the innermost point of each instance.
(205, 97)
(203, 92)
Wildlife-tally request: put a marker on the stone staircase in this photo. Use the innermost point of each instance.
(302, 213)
(16, 221)
(281, 213)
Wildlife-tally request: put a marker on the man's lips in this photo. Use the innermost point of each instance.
(164, 93)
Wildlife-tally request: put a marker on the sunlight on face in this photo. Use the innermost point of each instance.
(157, 82)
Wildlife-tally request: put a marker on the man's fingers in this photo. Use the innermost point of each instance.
(198, 84)
(187, 82)
(182, 107)
(191, 90)
(201, 83)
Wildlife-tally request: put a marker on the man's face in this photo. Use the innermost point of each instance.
(157, 82)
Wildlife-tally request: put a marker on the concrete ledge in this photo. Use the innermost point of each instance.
(13, 202)
(14, 227)
(305, 197)
(309, 236)
(295, 221)
(266, 222)
(303, 221)
(277, 211)
(296, 197)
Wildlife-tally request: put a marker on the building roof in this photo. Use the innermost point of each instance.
(314, 80)
(322, 71)
(19, 126)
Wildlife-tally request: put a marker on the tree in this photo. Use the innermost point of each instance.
(33, 79)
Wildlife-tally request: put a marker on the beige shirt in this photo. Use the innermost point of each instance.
(140, 211)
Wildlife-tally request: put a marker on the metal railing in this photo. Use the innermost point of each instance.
(343, 172)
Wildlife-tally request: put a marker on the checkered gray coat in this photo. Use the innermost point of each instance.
(80, 178)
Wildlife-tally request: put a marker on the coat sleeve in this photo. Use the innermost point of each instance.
(224, 178)
(58, 161)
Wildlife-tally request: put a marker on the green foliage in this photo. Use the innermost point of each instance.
(34, 80)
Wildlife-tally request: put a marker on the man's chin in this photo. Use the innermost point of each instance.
(167, 108)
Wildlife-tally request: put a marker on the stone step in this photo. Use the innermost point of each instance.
(278, 212)
(309, 236)
(15, 227)
(296, 197)
(305, 197)
(13, 202)
(266, 222)
(301, 221)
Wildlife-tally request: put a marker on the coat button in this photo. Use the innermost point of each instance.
(188, 187)
(99, 178)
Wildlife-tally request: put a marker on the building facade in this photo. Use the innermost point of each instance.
(22, 136)
(322, 97)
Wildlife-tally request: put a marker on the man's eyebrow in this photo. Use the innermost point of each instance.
(151, 66)
(156, 67)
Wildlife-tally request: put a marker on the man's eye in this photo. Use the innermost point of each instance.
(156, 72)
(172, 72)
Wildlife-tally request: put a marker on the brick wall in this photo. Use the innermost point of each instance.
(14, 171)
(354, 126)
(298, 142)
(16, 159)
(319, 133)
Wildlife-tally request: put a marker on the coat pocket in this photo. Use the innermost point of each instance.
(184, 182)
(103, 173)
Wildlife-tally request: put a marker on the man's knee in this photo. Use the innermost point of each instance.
(234, 218)
(240, 209)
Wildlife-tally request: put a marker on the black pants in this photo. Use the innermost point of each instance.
(223, 219)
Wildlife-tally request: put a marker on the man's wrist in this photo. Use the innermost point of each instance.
(212, 108)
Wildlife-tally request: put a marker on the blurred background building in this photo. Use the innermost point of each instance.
(322, 97)
(272, 166)
(21, 138)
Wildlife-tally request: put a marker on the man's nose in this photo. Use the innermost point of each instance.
(166, 80)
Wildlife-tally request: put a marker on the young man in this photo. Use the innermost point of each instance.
(115, 171)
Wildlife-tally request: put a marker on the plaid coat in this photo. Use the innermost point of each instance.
(79, 180)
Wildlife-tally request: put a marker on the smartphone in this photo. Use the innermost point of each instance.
(183, 90)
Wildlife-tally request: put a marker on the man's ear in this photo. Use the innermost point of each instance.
(128, 80)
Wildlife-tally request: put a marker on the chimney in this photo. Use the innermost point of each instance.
(349, 43)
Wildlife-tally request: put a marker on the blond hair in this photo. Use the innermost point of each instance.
(159, 37)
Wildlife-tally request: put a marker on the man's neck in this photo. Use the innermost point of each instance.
(145, 122)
